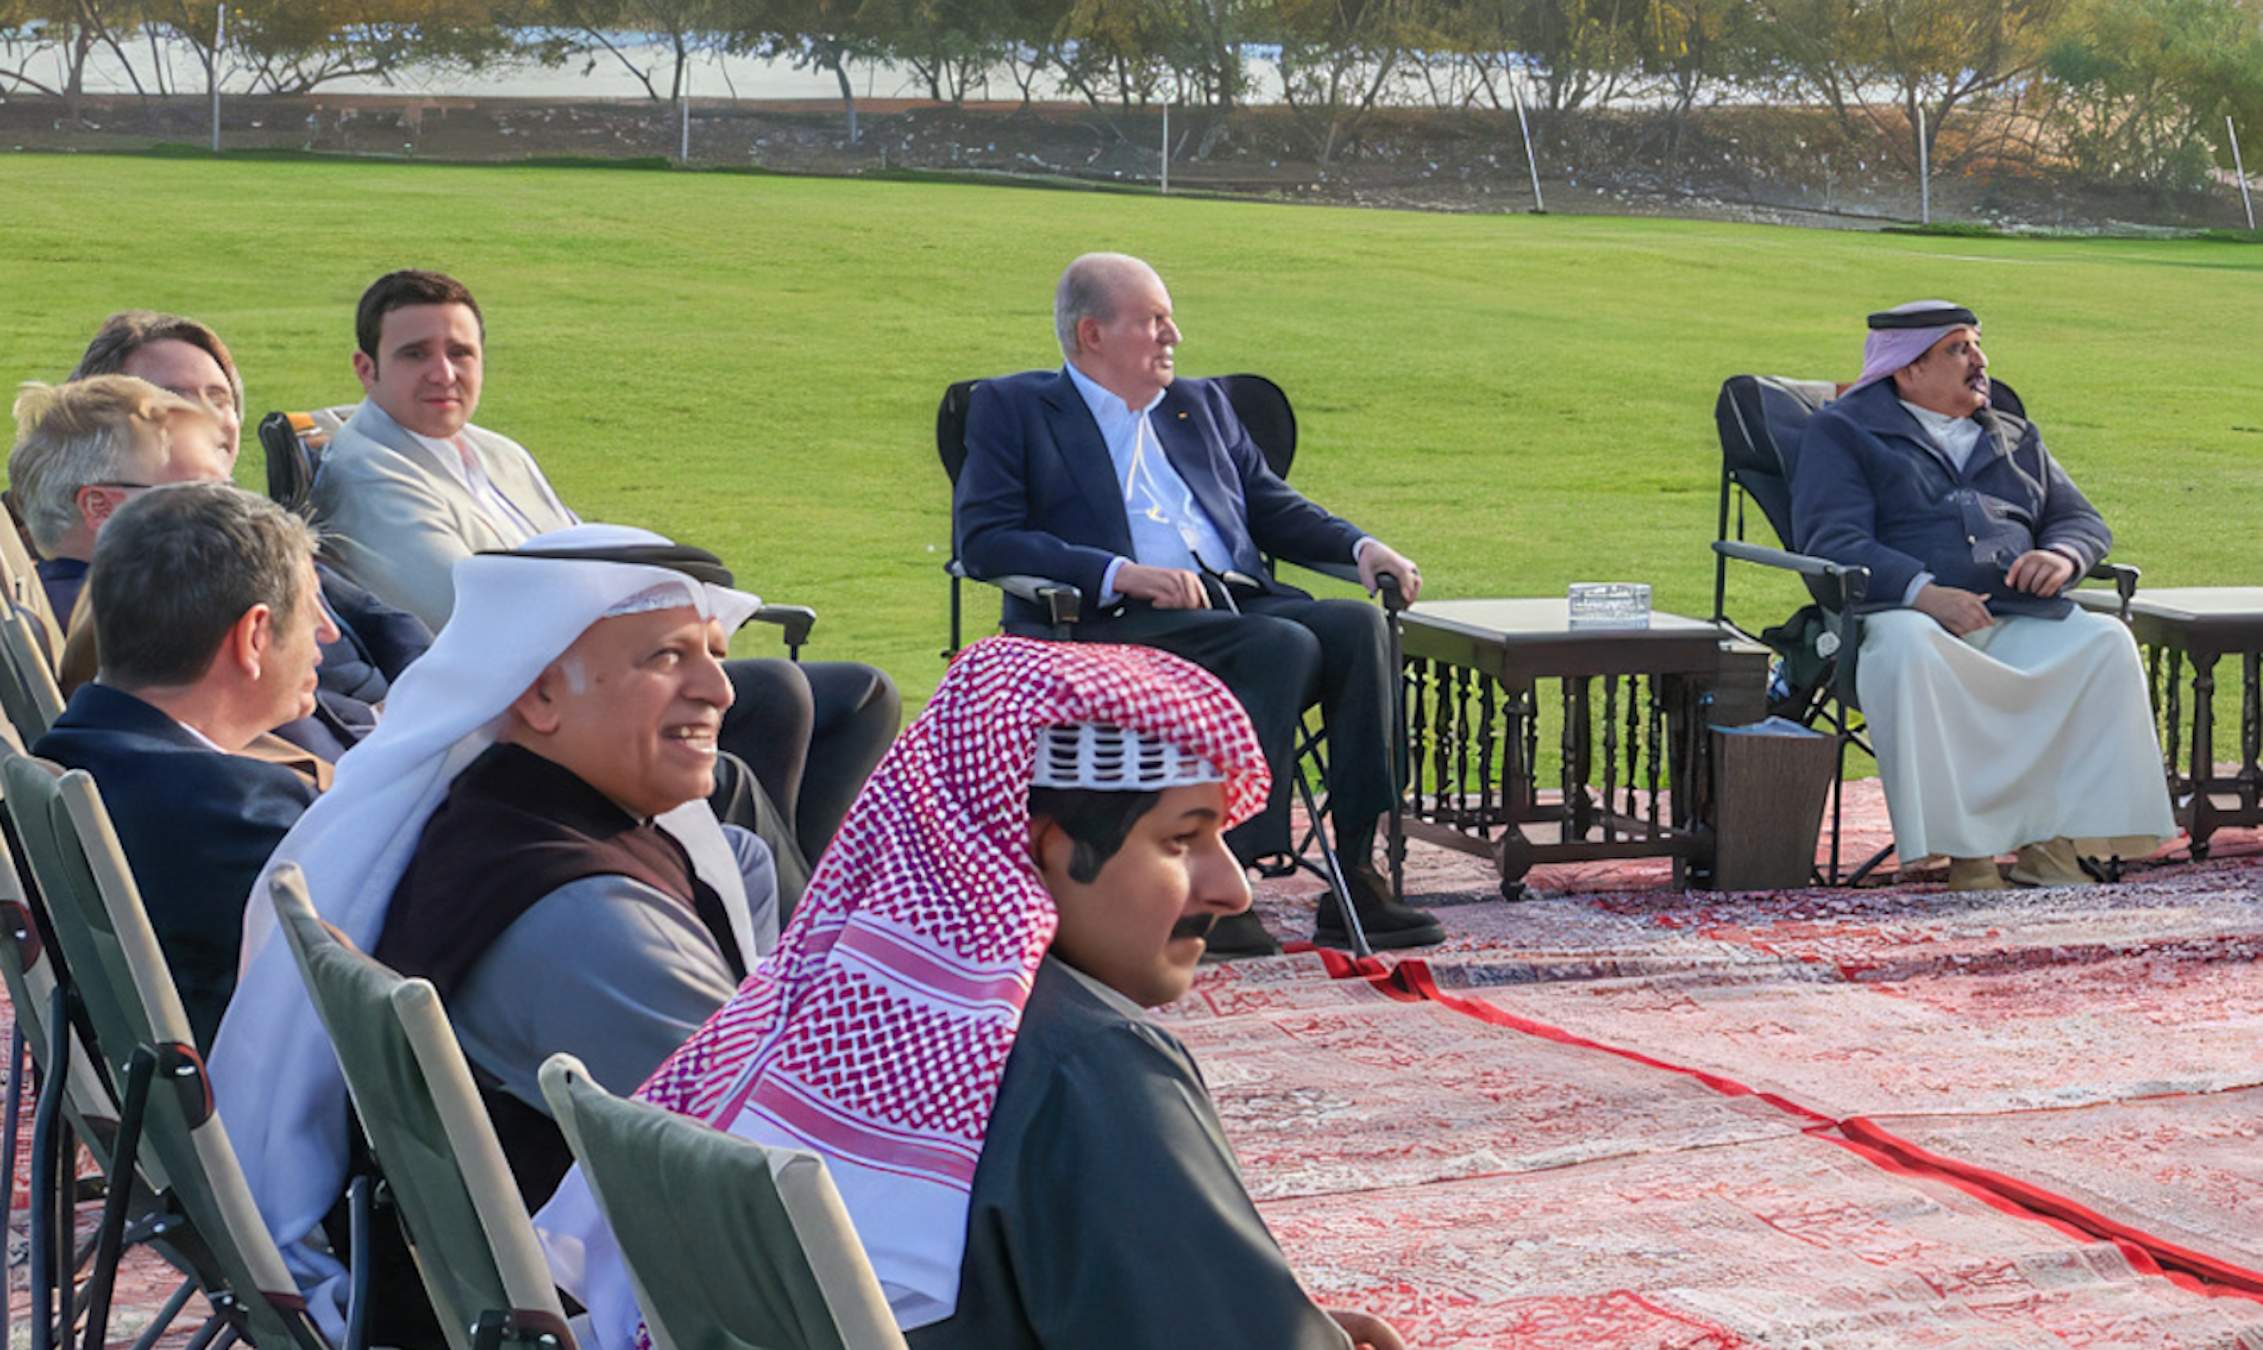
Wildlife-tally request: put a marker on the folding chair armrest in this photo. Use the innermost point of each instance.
(1340, 571)
(797, 620)
(1060, 601)
(2124, 577)
(1853, 582)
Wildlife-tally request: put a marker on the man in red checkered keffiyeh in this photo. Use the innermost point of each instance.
(952, 1021)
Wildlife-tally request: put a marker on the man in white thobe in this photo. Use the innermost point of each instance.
(2004, 717)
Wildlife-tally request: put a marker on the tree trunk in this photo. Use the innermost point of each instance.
(848, 92)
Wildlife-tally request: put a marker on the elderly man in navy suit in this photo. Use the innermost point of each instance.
(211, 628)
(1151, 498)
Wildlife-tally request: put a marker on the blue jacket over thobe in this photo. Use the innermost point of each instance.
(1872, 488)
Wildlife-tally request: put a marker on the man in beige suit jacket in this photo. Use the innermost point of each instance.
(408, 486)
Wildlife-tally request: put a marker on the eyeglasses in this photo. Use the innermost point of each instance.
(122, 486)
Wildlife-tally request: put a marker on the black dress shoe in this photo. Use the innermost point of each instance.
(1239, 935)
(1388, 924)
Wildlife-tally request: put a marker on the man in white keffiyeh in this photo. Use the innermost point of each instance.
(1027, 1159)
(526, 733)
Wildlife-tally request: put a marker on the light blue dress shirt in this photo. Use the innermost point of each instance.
(1168, 526)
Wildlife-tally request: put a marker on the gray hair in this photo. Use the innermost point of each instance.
(1088, 291)
(178, 566)
(88, 431)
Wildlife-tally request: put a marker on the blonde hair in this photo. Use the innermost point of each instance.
(94, 430)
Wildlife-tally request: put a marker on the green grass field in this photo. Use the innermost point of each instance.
(752, 363)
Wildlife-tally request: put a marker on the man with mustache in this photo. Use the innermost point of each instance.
(2004, 717)
(1030, 1162)
(529, 829)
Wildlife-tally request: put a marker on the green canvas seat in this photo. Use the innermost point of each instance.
(729, 1245)
(28, 692)
(431, 1136)
(143, 1043)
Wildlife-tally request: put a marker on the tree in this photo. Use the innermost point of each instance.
(2141, 86)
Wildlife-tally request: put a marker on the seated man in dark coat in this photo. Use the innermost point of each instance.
(2003, 716)
(528, 828)
(1029, 1161)
(375, 641)
(210, 633)
(1146, 494)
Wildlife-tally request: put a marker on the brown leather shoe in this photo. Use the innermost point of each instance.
(1975, 874)
(2050, 863)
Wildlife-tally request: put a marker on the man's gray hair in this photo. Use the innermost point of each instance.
(175, 569)
(1088, 291)
(100, 430)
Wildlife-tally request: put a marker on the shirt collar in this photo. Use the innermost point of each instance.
(1103, 992)
(1940, 424)
(1105, 405)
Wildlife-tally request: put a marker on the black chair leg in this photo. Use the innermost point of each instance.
(163, 1321)
(18, 1061)
(1337, 889)
(46, 1147)
(1870, 865)
(109, 1237)
(359, 1197)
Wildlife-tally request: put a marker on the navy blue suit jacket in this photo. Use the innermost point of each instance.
(1871, 488)
(1040, 497)
(196, 824)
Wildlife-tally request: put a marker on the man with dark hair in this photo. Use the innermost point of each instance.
(179, 355)
(210, 633)
(375, 641)
(409, 486)
(1148, 493)
(1030, 1162)
(2004, 717)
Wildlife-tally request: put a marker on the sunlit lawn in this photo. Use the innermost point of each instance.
(752, 363)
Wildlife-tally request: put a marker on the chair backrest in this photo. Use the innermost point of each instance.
(28, 692)
(294, 442)
(122, 978)
(728, 1244)
(1265, 413)
(19, 581)
(1761, 419)
(28, 968)
(474, 1245)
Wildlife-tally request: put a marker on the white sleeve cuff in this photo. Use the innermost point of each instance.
(1916, 584)
(1108, 597)
(1359, 546)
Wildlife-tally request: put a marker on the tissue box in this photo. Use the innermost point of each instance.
(1610, 604)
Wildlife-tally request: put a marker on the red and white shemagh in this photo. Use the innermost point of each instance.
(876, 1033)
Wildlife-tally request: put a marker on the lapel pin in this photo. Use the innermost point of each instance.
(1182, 414)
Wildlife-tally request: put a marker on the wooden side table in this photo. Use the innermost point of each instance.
(1636, 703)
(2198, 626)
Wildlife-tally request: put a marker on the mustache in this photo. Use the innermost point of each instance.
(1193, 926)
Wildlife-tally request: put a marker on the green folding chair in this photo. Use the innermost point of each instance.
(729, 1245)
(475, 1248)
(28, 692)
(209, 1227)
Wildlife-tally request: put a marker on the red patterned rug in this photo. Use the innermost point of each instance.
(1619, 1115)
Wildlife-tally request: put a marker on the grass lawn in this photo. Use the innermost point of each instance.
(752, 363)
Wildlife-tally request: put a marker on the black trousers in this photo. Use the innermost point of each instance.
(1280, 655)
(812, 732)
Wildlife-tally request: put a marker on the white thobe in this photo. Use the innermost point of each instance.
(2025, 731)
